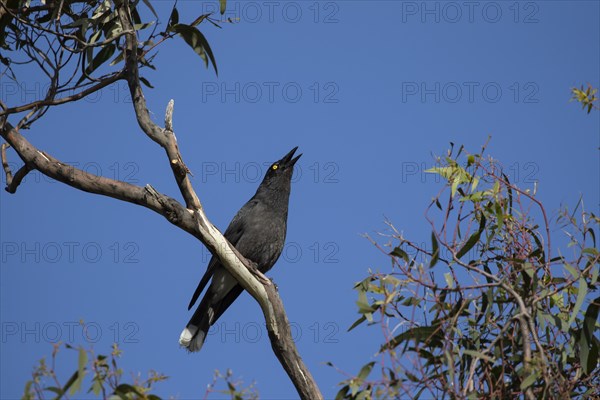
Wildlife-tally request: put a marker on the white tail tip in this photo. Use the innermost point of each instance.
(187, 335)
(191, 338)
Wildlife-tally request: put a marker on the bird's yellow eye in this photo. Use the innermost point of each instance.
(274, 167)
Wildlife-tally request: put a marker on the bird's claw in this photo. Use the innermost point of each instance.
(262, 278)
(259, 275)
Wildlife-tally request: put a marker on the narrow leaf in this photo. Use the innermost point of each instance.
(357, 323)
(473, 239)
(469, 244)
(146, 82)
(398, 252)
(477, 354)
(174, 18)
(449, 280)
(435, 250)
(530, 380)
(196, 40)
(365, 371)
(582, 291)
(103, 55)
(71, 383)
(588, 354)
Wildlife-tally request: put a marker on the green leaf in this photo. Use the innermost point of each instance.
(594, 278)
(529, 270)
(357, 323)
(223, 4)
(27, 395)
(391, 280)
(499, 216)
(139, 27)
(588, 347)
(473, 239)
(74, 24)
(96, 386)
(572, 270)
(364, 394)
(343, 393)
(365, 371)
(592, 234)
(354, 386)
(174, 18)
(475, 197)
(103, 8)
(445, 172)
(540, 247)
(125, 388)
(146, 82)
(398, 252)
(470, 160)
(411, 301)
(510, 194)
(364, 307)
(454, 186)
(196, 40)
(436, 250)
(475, 183)
(82, 362)
(582, 291)
(71, 383)
(420, 334)
(103, 55)
(530, 380)
(93, 38)
(477, 354)
(56, 390)
(496, 188)
(449, 280)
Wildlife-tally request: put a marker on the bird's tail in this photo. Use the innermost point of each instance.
(194, 334)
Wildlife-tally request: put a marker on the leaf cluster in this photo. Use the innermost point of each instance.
(485, 310)
(103, 371)
(79, 46)
(587, 97)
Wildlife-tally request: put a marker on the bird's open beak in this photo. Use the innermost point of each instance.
(287, 160)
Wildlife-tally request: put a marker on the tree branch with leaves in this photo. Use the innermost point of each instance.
(71, 36)
(486, 311)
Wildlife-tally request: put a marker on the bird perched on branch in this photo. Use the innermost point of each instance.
(258, 232)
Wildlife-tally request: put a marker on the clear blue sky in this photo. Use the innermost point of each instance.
(369, 91)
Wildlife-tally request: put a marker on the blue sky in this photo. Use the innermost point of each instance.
(368, 90)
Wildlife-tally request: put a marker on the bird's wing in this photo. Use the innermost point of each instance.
(233, 234)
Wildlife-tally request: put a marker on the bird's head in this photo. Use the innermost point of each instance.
(279, 174)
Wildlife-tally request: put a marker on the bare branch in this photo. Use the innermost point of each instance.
(12, 183)
(54, 168)
(54, 102)
(164, 137)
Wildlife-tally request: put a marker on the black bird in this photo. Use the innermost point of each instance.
(258, 232)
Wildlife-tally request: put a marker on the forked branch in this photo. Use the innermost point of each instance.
(189, 217)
